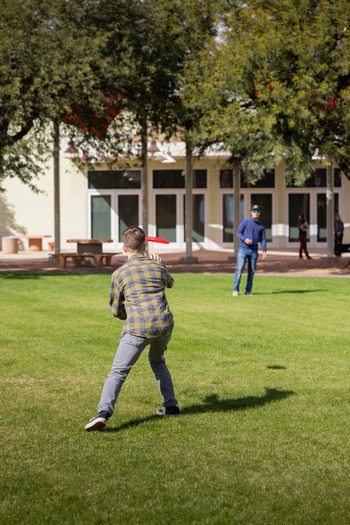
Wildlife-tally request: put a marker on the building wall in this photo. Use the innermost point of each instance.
(24, 212)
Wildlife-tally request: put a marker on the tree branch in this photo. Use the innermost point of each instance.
(12, 139)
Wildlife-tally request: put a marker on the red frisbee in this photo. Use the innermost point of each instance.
(157, 239)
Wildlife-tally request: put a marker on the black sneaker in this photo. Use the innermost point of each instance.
(168, 411)
(98, 422)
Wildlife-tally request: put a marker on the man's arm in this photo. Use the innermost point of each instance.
(116, 301)
(263, 243)
(240, 231)
(168, 280)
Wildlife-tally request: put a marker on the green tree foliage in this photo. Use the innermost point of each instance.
(51, 65)
(276, 85)
(83, 61)
(150, 50)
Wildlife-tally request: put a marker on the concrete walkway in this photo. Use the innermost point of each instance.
(278, 262)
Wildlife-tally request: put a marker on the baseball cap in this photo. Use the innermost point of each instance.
(255, 207)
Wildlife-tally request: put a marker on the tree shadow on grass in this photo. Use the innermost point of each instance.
(213, 404)
(20, 276)
(290, 291)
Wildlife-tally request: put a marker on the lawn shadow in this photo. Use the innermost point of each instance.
(20, 276)
(213, 404)
(290, 291)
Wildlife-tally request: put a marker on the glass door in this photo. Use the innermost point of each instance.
(264, 201)
(198, 217)
(166, 216)
(127, 212)
(100, 217)
(110, 213)
(321, 205)
(298, 203)
(227, 216)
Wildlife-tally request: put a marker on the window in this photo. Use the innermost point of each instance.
(164, 179)
(322, 215)
(128, 207)
(318, 179)
(101, 217)
(227, 216)
(114, 179)
(298, 203)
(198, 224)
(166, 217)
(337, 178)
(226, 178)
(266, 181)
(199, 179)
(264, 200)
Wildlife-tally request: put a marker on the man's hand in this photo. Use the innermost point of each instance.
(264, 255)
(248, 241)
(154, 256)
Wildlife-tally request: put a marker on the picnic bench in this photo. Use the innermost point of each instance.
(86, 248)
(98, 257)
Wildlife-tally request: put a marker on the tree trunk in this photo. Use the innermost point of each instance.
(56, 172)
(189, 259)
(236, 206)
(144, 179)
(330, 209)
(188, 200)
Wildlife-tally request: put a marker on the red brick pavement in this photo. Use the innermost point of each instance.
(209, 262)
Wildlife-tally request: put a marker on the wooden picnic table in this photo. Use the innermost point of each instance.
(35, 242)
(89, 245)
(86, 248)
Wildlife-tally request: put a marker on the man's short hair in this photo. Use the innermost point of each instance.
(134, 238)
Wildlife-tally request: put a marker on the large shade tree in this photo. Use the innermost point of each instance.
(276, 86)
(159, 38)
(82, 61)
(52, 68)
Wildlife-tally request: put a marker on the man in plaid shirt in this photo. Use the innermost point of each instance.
(138, 297)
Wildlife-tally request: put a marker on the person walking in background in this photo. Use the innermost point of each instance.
(138, 297)
(303, 227)
(250, 232)
(338, 235)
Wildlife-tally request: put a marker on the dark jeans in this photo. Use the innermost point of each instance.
(338, 241)
(303, 246)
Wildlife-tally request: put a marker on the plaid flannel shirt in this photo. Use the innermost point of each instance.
(138, 297)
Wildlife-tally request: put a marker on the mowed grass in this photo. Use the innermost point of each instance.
(262, 381)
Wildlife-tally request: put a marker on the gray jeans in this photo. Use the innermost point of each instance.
(129, 350)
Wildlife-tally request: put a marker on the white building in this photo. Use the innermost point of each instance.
(101, 203)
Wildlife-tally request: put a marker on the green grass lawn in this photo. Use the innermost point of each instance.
(262, 381)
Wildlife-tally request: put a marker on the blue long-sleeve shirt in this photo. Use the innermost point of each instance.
(253, 230)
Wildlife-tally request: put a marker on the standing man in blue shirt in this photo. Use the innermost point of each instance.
(250, 232)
